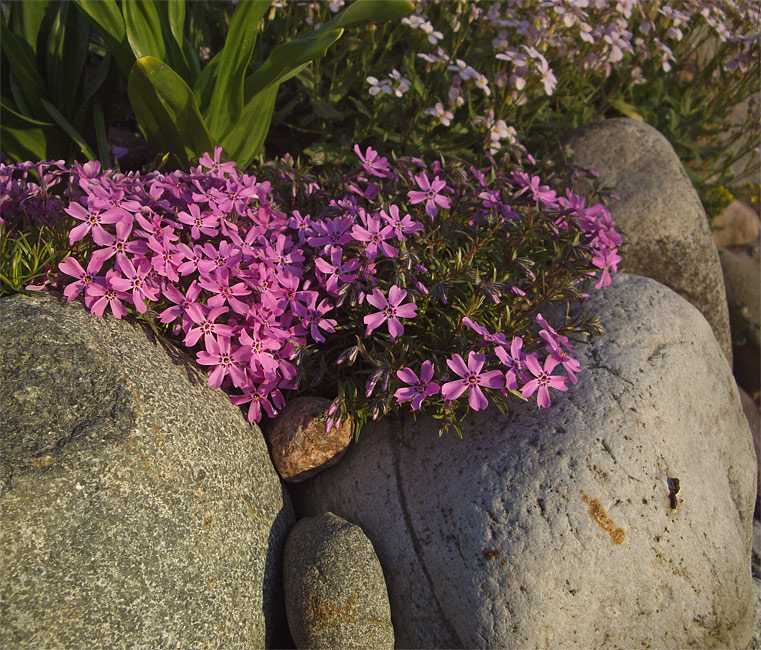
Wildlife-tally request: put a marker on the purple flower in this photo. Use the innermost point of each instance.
(419, 388)
(337, 270)
(313, 316)
(472, 380)
(515, 361)
(608, 262)
(571, 365)
(497, 339)
(373, 236)
(391, 311)
(373, 163)
(544, 380)
(104, 295)
(258, 396)
(225, 361)
(70, 266)
(205, 325)
(93, 219)
(205, 223)
(135, 281)
(541, 193)
(401, 226)
(431, 194)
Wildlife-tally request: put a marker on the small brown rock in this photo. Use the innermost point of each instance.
(737, 225)
(299, 446)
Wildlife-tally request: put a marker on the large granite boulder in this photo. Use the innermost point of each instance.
(139, 508)
(335, 593)
(665, 229)
(620, 517)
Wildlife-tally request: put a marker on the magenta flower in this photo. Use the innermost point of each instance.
(337, 270)
(515, 362)
(488, 337)
(70, 266)
(313, 316)
(201, 223)
(373, 163)
(419, 388)
(135, 281)
(118, 245)
(224, 293)
(541, 193)
(225, 361)
(544, 380)
(431, 194)
(608, 262)
(104, 295)
(93, 219)
(471, 380)
(391, 311)
(181, 302)
(571, 365)
(401, 226)
(205, 325)
(374, 237)
(258, 396)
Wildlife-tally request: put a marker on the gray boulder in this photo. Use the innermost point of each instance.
(335, 593)
(566, 527)
(139, 508)
(664, 227)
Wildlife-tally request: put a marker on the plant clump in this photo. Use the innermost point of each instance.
(394, 285)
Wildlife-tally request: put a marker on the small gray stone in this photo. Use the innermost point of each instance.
(566, 527)
(335, 592)
(665, 230)
(139, 508)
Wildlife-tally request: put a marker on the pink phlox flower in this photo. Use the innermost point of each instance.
(105, 295)
(313, 318)
(336, 271)
(137, 281)
(192, 256)
(200, 223)
(431, 194)
(543, 380)
(85, 278)
(258, 395)
(223, 292)
(471, 380)
(181, 302)
(401, 226)
(391, 310)
(331, 232)
(370, 193)
(373, 236)
(571, 365)
(224, 360)
(304, 226)
(155, 226)
(608, 262)
(418, 388)
(215, 165)
(515, 361)
(541, 193)
(118, 245)
(236, 197)
(226, 256)
(167, 258)
(204, 318)
(260, 347)
(373, 163)
(282, 356)
(92, 218)
(285, 255)
(497, 339)
(105, 198)
(253, 245)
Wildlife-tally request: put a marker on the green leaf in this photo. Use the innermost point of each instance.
(101, 72)
(246, 138)
(31, 17)
(24, 138)
(141, 21)
(626, 109)
(106, 17)
(362, 12)
(204, 85)
(67, 48)
(227, 102)
(167, 111)
(61, 121)
(288, 59)
(101, 137)
(172, 16)
(23, 67)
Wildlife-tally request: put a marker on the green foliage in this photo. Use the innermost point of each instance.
(187, 112)
(50, 107)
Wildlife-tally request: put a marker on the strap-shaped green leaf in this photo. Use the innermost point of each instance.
(106, 17)
(204, 85)
(24, 138)
(172, 17)
(67, 47)
(247, 136)
(101, 72)
(227, 98)
(23, 67)
(167, 111)
(362, 12)
(68, 128)
(287, 60)
(27, 20)
(141, 21)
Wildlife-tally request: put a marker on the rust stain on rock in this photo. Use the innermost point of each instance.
(597, 512)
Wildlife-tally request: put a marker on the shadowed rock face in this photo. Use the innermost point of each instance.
(138, 505)
(665, 230)
(619, 517)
